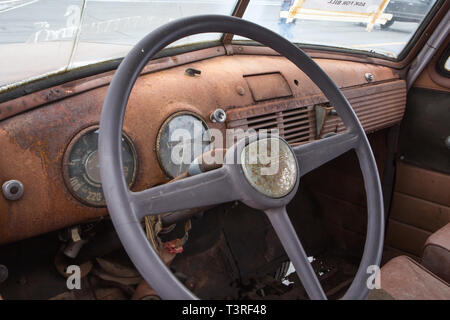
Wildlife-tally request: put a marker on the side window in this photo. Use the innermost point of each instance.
(443, 65)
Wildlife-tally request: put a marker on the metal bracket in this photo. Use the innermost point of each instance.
(228, 49)
(322, 111)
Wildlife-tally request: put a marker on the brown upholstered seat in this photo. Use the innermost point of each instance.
(404, 279)
(436, 253)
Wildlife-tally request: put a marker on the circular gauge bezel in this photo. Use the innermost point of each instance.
(164, 124)
(69, 150)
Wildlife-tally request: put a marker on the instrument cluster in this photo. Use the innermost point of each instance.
(181, 138)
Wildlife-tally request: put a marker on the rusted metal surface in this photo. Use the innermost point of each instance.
(245, 48)
(33, 146)
(377, 107)
(28, 102)
(33, 143)
(268, 86)
(293, 119)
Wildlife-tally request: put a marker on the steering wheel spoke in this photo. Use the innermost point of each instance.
(286, 233)
(201, 190)
(312, 155)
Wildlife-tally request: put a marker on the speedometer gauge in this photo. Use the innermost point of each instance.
(82, 169)
(182, 138)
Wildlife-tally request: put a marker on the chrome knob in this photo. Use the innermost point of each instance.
(218, 115)
(12, 189)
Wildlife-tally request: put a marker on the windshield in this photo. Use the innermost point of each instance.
(39, 37)
(43, 37)
(343, 23)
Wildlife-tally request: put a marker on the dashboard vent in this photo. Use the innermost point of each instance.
(377, 107)
(294, 122)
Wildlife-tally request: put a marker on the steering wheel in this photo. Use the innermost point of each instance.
(235, 180)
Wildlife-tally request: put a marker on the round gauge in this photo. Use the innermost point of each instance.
(82, 169)
(183, 137)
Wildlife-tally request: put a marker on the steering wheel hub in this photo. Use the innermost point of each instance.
(270, 167)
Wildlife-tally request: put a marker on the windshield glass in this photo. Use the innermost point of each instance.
(383, 27)
(39, 37)
(43, 37)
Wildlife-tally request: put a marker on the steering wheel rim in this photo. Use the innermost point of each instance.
(122, 204)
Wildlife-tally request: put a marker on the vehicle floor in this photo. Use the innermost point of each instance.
(38, 279)
(232, 253)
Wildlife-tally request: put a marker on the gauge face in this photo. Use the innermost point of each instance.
(182, 138)
(82, 167)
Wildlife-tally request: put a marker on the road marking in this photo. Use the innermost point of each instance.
(377, 44)
(14, 4)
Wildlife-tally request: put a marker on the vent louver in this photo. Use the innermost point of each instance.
(294, 123)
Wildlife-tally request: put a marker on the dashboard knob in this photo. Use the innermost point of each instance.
(12, 189)
(218, 115)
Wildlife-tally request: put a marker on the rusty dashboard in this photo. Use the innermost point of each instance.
(38, 131)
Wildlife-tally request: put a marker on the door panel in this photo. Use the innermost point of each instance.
(421, 198)
(424, 128)
(420, 206)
